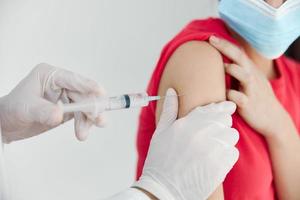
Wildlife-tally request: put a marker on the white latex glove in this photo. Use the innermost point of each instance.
(190, 157)
(31, 107)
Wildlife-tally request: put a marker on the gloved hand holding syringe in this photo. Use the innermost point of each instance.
(102, 104)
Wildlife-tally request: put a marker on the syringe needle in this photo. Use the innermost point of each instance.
(163, 97)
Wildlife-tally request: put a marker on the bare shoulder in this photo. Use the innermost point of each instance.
(196, 71)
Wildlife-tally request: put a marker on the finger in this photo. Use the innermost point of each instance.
(45, 112)
(101, 120)
(63, 79)
(238, 73)
(64, 100)
(230, 50)
(211, 121)
(222, 107)
(221, 164)
(237, 97)
(82, 126)
(227, 136)
(216, 113)
(170, 110)
(222, 119)
(227, 159)
(98, 117)
(64, 97)
(68, 117)
(230, 156)
(78, 98)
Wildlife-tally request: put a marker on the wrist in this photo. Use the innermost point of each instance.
(153, 187)
(130, 193)
(279, 119)
(148, 194)
(283, 128)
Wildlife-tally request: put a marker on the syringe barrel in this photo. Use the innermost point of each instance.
(101, 104)
(127, 101)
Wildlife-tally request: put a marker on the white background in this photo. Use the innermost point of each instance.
(114, 42)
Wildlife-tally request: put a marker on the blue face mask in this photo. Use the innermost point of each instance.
(269, 30)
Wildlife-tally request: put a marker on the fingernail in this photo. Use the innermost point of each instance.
(82, 136)
(171, 92)
(213, 39)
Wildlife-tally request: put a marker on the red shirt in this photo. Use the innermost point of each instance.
(251, 177)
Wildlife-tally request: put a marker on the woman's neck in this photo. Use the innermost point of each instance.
(265, 65)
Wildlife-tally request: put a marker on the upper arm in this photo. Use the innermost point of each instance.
(196, 72)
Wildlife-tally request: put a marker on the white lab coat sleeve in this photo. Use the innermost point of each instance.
(4, 189)
(130, 194)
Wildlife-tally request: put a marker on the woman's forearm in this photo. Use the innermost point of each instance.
(284, 148)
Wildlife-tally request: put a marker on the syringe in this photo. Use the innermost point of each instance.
(101, 104)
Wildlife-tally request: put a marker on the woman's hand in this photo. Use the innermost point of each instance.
(257, 103)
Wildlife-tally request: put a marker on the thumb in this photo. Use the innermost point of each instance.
(170, 110)
(46, 113)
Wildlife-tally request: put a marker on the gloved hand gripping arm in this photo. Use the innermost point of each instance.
(188, 158)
